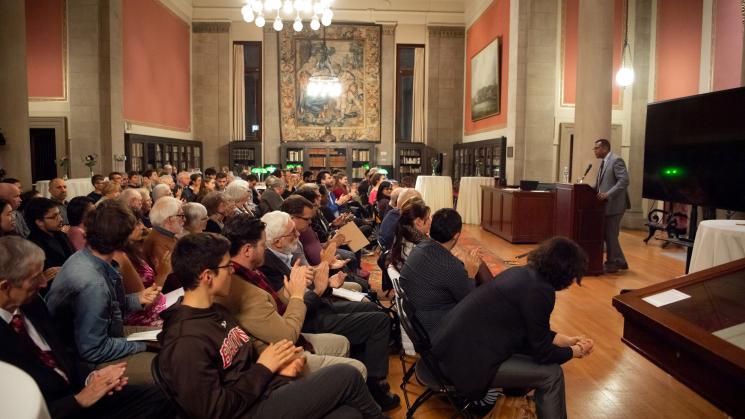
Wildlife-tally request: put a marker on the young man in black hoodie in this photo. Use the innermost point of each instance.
(208, 362)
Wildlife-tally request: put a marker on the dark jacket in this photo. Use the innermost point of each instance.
(503, 317)
(213, 227)
(270, 201)
(387, 231)
(275, 271)
(208, 361)
(95, 196)
(435, 281)
(56, 247)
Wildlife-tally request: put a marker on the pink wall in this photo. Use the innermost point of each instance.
(493, 22)
(678, 48)
(727, 45)
(45, 54)
(156, 66)
(571, 46)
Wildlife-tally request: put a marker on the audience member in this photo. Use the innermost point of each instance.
(31, 343)
(111, 190)
(208, 185)
(196, 217)
(191, 191)
(7, 218)
(132, 199)
(271, 199)
(265, 314)
(221, 181)
(375, 182)
(253, 180)
(432, 277)
(135, 180)
(87, 298)
(217, 208)
(341, 184)
(167, 217)
(237, 195)
(383, 198)
(202, 342)
(168, 181)
(363, 188)
(182, 180)
(334, 202)
(77, 210)
(115, 177)
(12, 195)
(149, 179)
(508, 339)
(98, 182)
(161, 190)
(387, 230)
(45, 222)
(413, 227)
(210, 173)
(58, 194)
(13, 181)
(147, 204)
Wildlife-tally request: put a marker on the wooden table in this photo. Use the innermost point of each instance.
(517, 216)
(680, 337)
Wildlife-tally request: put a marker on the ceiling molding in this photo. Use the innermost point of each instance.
(474, 9)
(182, 8)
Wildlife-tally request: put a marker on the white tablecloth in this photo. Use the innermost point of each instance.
(717, 242)
(20, 397)
(437, 191)
(75, 187)
(469, 198)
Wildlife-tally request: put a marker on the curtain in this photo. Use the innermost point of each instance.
(239, 95)
(417, 119)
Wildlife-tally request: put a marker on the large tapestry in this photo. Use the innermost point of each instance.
(354, 55)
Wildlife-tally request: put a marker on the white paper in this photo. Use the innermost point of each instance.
(734, 335)
(173, 296)
(665, 298)
(150, 335)
(348, 294)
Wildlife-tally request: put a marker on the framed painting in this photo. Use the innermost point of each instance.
(485, 81)
(353, 53)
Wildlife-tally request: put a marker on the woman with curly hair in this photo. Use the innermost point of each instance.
(504, 327)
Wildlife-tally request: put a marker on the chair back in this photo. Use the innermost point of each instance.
(409, 322)
(163, 386)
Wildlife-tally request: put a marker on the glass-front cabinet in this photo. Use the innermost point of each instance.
(480, 158)
(147, 152)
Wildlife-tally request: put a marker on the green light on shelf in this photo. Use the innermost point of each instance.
(673, 171)
(383, 171)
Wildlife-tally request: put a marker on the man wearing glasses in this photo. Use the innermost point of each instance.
(45, 222)
(167, 217)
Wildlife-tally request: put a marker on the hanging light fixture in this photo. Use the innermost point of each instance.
(324, 83)
(625, 75)
(317, 11)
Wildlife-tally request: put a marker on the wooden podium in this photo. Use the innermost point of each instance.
(579, 215)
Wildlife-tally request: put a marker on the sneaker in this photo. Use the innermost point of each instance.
(383, 397)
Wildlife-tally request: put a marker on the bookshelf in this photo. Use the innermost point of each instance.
(244, 154)
(413, 159)
(148, 152)
(489, 154)
(352, 158)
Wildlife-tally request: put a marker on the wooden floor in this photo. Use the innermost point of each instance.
(614, 381)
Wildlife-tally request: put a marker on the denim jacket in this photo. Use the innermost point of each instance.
(87, 301)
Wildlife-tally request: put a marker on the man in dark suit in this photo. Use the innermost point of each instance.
(612, 186)
(271, 198)
(29, 342)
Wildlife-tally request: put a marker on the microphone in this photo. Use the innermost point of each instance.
(589, 166)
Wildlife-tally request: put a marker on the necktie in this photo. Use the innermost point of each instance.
(600, 175)
(45, 357)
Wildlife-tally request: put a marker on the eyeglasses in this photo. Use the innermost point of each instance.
(183, 216)
(229, 267)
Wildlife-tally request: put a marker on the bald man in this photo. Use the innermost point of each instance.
(12, 194)
(58, 194)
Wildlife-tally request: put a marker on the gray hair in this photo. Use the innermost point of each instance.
(160, 190)
(309, 186)
(194, 211)
(163, 208)
(128, 194)
(236, 190)
(275, 182)
(275, 221)
(18, 259)
(144, 194)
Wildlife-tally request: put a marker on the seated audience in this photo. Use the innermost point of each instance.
(432, 277)
(387, 230)
(192, 190)
(167, 180)
(341, 184)
(116, 177)
(7, 219)
(12, 195)
(137, 275)
(135, 180)
(111, 190)
(217, 208)
(363, 189)
(196, 217)
(98, 182)
(508, 339)
(77, 209)
(203, 343)
(58, 195)
(325, 179)
(413, 227)
(265, 314)
(167, 217)
(131, 198)
(271, 198)
(221, 181)
(87, 298)
(182, 181)
(363, 324)
(161, 190)
(237, 195)
(252, 180)
(45, 222)
(375, 182)
(383, 198)
(210, 173)
(31, 343)
(147, 204)
(208, 185)
(149, 179)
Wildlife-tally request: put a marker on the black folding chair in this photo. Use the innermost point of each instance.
(430, 373)
(163, 386)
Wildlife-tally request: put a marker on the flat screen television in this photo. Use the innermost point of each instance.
(694, 151)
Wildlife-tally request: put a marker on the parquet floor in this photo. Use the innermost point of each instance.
(613, 382)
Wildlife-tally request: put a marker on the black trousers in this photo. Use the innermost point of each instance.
(364, 325)
(133, 402)
(336, 391)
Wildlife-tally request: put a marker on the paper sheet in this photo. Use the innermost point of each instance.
(665, 298)
(173, 296)
(352, 233)
(150, 335)
(348, 294)
(734, 335)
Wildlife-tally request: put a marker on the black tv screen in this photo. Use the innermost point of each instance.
(694, 151)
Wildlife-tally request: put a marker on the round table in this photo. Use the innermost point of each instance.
(469, 198)
(19, 395)
(437, 191)
(75, 187)
(717, 242)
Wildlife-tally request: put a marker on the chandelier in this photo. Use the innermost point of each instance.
(258, 11)
(323, 83)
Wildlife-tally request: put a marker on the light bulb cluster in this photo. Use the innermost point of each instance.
(323, 87)
(318, 11)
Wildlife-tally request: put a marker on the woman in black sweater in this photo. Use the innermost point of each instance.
(499, 335)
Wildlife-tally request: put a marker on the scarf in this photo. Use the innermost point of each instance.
(257, 278)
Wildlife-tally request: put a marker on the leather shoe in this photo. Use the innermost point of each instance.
(623, 266)
(383, 397)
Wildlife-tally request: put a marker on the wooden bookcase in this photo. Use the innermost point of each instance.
(148, 152)
(413, 159)
(490, 154)
(243, 154)
(352, 158)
